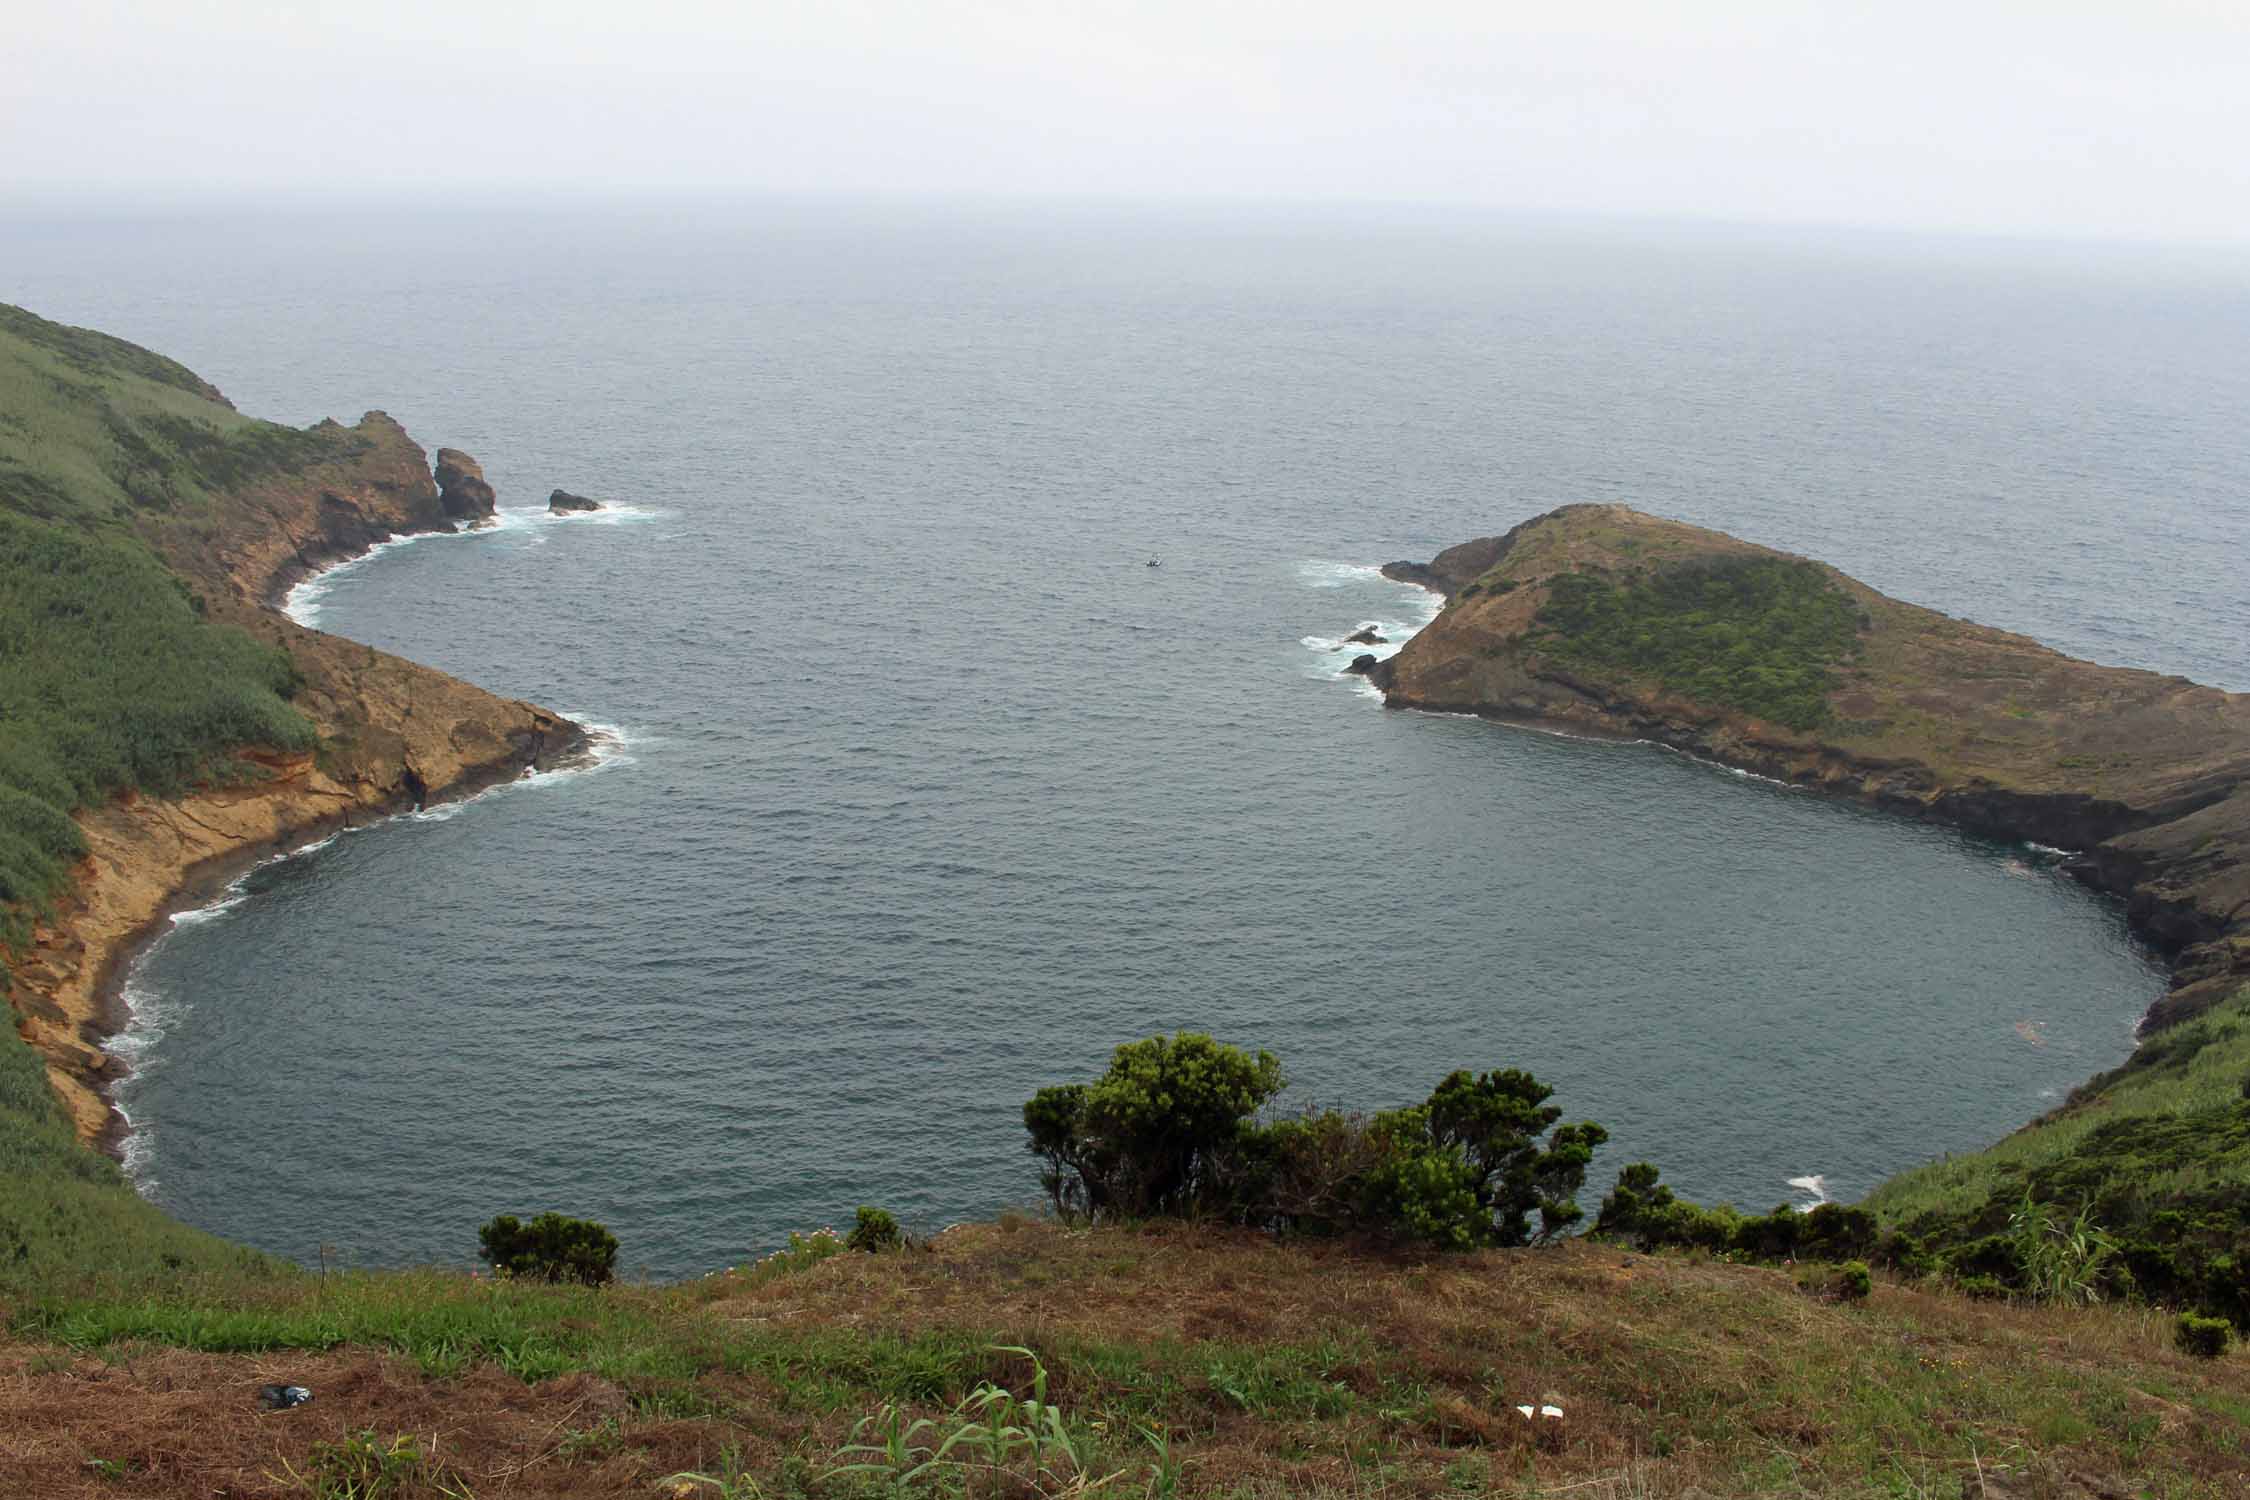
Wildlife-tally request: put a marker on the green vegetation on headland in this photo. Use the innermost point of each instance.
(111, 679)
(1759, 634)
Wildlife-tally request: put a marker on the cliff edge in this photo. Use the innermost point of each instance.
(147, 528)
(1599, 619)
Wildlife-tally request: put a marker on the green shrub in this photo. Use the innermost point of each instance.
(874, 1232)
(550, 1248)
(1422, 1189)
(1495, 1121)
(1760, 634)
(2205, 1338)
(1148, 1136)
(1169, 1130)
(1854, 1280)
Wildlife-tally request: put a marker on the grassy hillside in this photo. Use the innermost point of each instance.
(68, 1215)
(1177, 1361)
(111, 679)
(2156, 1153)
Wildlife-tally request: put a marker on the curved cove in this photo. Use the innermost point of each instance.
(818, 939)
(937, 792)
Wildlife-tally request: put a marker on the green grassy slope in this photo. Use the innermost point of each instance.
(2158, 1150)
(110, 679)
(1759, 634)
(1180, 1361)
(67, 1214)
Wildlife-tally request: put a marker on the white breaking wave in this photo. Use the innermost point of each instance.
(1817, 1186)
(1334, 575)
(302, 603)
(1412, 607)
(527, 523)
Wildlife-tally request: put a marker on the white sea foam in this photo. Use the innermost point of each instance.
(1816, 1185)
(302, 603)
(1411, 608)
(526, 523)
(214, 911)
(1334, 575)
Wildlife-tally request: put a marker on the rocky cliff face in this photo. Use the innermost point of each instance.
(394, 735)
(462, 492)
(2147, 775)
(258, 539)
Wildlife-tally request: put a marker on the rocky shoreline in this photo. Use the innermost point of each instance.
(2146, 777)
(395, 735)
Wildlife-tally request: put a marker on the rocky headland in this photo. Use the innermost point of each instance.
(1589, 619)
(391, 734)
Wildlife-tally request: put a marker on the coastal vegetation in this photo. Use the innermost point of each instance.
(1760, 634)
(549, 1248)
(1170, 1130)
(67, 1215)
(111, 678)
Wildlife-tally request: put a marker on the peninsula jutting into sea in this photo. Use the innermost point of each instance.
(1599, 619)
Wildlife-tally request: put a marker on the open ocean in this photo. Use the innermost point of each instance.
(925, 790)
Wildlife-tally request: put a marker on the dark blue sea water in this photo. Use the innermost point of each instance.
(928, 791)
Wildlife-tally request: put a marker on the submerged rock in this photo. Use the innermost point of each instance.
(563, 502)
(1366, 637)
(461, 487)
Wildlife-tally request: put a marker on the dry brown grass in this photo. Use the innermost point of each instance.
(1278, 1371)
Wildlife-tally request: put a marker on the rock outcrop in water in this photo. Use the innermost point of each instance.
(2147, 776)
(563, 503)
(462, 491)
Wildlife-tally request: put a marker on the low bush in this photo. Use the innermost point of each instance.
(874, 1231)
(1641, 1211)
(2205, 1338)
(1157, 1133)
(550, 1248)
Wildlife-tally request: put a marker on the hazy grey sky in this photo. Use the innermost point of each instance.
(2101, 117)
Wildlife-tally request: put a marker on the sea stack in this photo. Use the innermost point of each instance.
(563, 503)
(462, 489)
